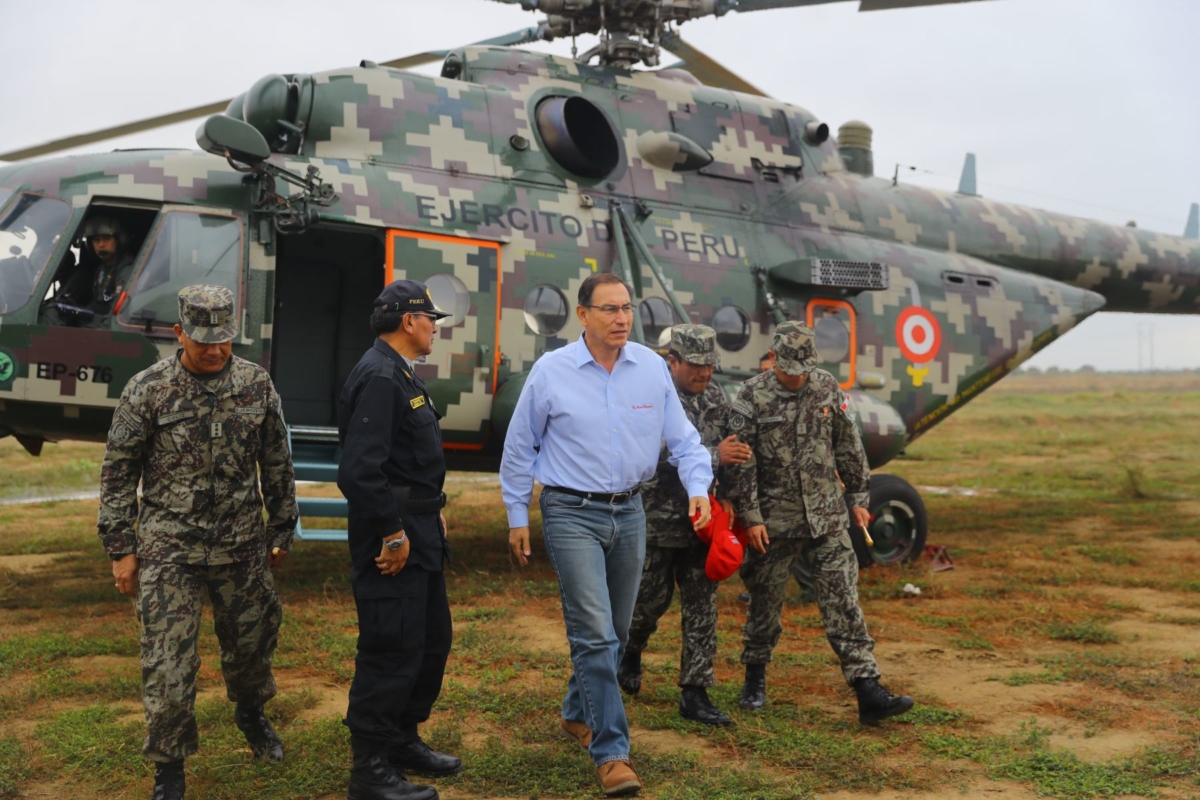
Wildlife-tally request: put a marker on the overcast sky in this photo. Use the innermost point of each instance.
(1085, 107)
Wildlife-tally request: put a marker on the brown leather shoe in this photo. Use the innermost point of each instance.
(618, 779)
(579, 731)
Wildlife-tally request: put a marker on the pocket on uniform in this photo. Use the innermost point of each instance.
(552, 499)
(427, 442)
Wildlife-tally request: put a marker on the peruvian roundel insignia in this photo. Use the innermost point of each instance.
(918, 334)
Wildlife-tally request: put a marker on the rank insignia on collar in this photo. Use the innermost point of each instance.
(407, 375)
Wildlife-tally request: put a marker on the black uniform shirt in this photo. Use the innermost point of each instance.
(391, 440)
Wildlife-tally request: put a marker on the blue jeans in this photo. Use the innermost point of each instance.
(597, 550)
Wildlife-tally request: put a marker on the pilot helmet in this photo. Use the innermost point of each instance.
(105, 226)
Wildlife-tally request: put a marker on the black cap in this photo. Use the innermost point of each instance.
(409, 297)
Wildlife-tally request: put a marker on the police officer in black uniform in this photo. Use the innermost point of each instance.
(392, 472)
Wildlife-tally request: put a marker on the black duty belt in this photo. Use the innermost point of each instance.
(418, 505)
(614, 498)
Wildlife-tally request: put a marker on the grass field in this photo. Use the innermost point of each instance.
(1061, 658)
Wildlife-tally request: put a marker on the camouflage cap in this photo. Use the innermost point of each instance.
(795, 348)
(207, 314)
(411, 297)
(696, 343)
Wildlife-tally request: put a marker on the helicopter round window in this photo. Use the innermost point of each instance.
(449, 294)
(545, 310)
(657, 319)
(833, 339)
(732, 327)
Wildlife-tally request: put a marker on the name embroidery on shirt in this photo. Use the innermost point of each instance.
(417, 402)
(769, 420)
(643, 408)
(249, 410)
(167, 419)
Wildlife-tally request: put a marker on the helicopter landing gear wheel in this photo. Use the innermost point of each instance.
(899, 523)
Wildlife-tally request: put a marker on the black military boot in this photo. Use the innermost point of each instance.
(262, 737)
(373, 778)
(629, 673)
(168, 780)
(413, 755)
(754, 690)
(876, 703)
(695, 705)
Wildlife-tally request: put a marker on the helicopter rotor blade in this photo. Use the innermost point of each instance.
(147, 124)
(707, 69)
(864, 5)
(522, 36)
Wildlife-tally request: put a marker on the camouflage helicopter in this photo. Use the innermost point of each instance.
(502, 183)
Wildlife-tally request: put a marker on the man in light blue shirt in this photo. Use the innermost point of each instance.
(588, 427)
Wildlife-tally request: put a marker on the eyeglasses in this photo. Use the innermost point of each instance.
(422, 314)
(612, 311)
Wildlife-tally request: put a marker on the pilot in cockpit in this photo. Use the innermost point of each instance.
(87, 295)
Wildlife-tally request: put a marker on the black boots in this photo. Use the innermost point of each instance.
(695, 705)
(413, 755)
(754, 690)
(168, 781)
(629, 673)
(373, 778)
(876, 703)
(262, 737)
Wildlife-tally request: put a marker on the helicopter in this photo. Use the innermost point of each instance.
(502, 183)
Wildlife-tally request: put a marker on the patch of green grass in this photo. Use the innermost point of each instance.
(1088, 632)
(1117, 556)
(90, 741)
(475, 614)
(1027, 757)
(971, 642)
(15, 767)
(25, 652)
(941, 622)
(96, 749)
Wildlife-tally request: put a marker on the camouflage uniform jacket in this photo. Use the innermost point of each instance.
(802, 441)
(198, 449)
(664, 496)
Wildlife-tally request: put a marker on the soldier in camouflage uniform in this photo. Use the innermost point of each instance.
(674, 554)
(801, 428)
(197, 431)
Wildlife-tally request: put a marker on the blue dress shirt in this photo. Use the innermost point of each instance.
(597, 432)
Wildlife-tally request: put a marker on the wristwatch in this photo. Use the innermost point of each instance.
(396, 544)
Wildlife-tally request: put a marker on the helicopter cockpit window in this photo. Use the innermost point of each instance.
(546, 310)
(657, 319)
(188, 248)
(732, 327)
(29, 232)
(449, 294)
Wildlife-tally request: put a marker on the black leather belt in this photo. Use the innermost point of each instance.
(418, 505)
(614, 498)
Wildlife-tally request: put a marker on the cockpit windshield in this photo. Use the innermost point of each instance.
(29, 230)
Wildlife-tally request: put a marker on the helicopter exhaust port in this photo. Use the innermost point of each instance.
(578, 136)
